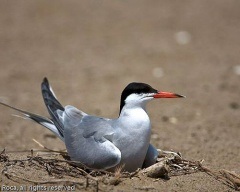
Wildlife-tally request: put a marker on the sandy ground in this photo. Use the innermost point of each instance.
(90, 50)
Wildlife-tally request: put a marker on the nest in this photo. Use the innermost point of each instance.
(70, 173)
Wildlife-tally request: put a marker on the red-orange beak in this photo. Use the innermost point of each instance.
(163, 94)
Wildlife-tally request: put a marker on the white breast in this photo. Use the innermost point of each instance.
(133, 137)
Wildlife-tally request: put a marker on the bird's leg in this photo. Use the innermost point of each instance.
(169, 154)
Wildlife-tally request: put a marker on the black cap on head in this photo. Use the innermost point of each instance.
(137, 88)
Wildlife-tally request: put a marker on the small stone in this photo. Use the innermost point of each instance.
(154, 136)
(165, 118)
(183, 37)
(173, 120)
(234, 105)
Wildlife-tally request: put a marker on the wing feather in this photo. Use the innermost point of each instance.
(88, 139)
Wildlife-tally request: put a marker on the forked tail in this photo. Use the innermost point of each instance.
(53, 105)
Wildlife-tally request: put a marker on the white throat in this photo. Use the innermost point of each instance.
(135, 118)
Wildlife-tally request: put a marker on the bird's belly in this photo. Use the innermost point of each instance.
(133, 146)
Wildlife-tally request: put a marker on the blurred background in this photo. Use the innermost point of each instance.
(90, 50)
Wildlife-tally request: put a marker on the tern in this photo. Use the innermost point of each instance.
(102, 143)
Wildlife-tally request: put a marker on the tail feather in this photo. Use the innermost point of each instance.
(52, 104)
(38, 119)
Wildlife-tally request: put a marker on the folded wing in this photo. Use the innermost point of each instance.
(88, 139)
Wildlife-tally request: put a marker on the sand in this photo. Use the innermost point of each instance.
(90, 50)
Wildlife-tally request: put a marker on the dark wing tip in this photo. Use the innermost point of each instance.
(45, 80)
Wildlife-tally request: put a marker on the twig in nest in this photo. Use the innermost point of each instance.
(67, 181)
(60, 168)
(226, 177)
(183, 167)
(44, 147)
(3, 156)
(234, 178)
(116, 179)
(55, 167)
(160, 169)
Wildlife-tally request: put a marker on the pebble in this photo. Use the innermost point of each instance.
(154, 136)
(173, 120)
(183, 37)
(234, 105)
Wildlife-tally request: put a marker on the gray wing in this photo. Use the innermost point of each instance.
(88, 139)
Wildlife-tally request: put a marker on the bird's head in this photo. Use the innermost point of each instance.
(137, 94)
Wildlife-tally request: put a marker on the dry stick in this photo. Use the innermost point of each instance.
(75, 163)
(184, 166)
(44, 182)
(226, 177)
(234, 178)
(232, 173)
(88, 176)
(135, 173)
(58, 160)
(66, 161)
(223, 177)
(42, 146)
(3, 151)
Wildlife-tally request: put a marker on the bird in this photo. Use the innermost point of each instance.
(103, 143)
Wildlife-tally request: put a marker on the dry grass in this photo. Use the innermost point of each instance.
(72, 173)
